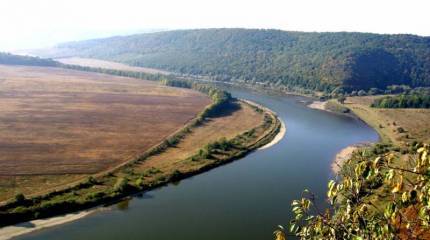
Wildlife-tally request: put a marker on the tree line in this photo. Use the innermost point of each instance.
(403, 101)
(10, 59)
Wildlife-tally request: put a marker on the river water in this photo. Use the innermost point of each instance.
(245, 199)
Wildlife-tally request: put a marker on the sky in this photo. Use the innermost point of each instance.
(26, 24)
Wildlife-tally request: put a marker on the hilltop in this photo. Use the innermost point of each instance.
(315, 61)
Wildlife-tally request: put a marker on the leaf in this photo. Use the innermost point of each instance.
(424, 156)
(390, 174)
(363, 208)
(405, 197)
(389, 209)
(280, 234)
(398, 186)
(376, 161)
(295, 203)
(293, 228)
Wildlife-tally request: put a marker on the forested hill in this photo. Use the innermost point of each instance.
(10, 59)
(311, 60)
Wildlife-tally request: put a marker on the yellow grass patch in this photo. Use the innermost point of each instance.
(415, 122)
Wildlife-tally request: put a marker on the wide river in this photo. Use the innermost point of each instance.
(245, 199)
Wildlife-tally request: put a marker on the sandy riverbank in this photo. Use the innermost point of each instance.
(277, 138)
(27, 227)
(344, 155)
(318, 105)
(341, 157)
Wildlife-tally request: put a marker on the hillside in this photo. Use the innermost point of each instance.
(10, 59)
(321, 61)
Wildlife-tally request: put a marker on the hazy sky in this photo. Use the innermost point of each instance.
(40, 23)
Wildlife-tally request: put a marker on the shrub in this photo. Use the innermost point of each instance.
(176, 175)
(139, 182)
(361, 93)
(121, 184)
(19, 198)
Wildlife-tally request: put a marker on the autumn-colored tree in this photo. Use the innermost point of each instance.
(382, 197)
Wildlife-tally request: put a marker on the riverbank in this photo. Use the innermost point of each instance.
(277, 138)
(345, 154)
(39, 224)
(154, 172)
(331, 105)
(320, 105)
(397, 126)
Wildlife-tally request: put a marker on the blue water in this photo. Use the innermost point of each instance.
(245, 199)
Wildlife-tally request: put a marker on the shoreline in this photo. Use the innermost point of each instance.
(281, 132)
(19, 229)
(341, 157)
(277, 138)
(318, 105)
(345, 154)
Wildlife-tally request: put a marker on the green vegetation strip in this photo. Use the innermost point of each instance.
(403, 101)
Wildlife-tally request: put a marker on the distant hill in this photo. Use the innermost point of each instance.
(320, 61)
(10, 59)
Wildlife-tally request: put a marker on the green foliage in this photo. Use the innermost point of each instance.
(139, 182)
(403, 101)
(354, 214)
(19, 198)
(317, 61)
(121, 184)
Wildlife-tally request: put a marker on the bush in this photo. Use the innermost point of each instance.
(361, 93)
(400, 130)
(121, 184)
(19, 198)
(139, 182)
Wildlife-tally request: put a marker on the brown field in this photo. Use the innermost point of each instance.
(241, 120)
(415, 122)
(90, 62)
(55, 121)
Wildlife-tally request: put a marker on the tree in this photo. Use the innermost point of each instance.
(361, 93)
(353, 214)
(19, 198)
(341, 99)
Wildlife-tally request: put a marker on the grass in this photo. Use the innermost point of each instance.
(400, 127)
(59, 126)
(214, 129)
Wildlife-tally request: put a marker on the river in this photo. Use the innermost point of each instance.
(245, 199)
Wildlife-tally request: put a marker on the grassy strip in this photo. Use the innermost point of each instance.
(117, 184)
